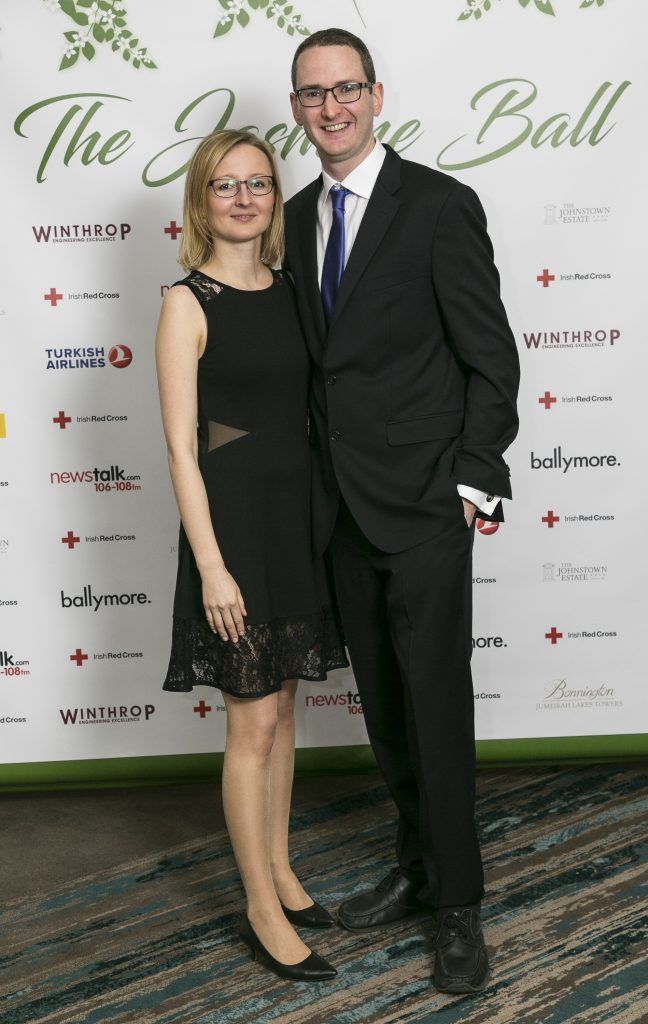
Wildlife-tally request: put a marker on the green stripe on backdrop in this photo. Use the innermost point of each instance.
(169, 768)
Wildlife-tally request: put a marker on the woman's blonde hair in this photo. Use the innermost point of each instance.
(197, 242)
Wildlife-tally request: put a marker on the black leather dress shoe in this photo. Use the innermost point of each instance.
(313, 968)
(461, 958)
(393, 899)
(314, 916)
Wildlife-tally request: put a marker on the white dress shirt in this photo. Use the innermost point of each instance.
(360, 182)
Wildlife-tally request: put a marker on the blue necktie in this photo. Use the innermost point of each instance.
(333, 266)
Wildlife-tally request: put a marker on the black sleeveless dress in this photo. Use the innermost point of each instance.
(254, 457)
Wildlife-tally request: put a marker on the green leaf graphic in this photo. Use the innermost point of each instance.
(104, 21)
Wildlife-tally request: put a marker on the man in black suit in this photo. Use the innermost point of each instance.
(415, 376)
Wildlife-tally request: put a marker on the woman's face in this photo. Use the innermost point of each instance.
(246, 215)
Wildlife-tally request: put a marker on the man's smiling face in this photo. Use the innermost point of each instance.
(342, 133)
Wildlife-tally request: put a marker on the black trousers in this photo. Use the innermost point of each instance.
(407, 620)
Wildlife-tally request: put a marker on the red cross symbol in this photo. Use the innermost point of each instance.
(550, 519)
(202, 708)
(70, 540)
(545, 277)
(553, 635)
(61, 419)
(79, 657)
(547, 400)
(53, 296)
(173, 230)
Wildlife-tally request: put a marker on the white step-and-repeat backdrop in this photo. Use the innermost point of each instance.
(538, 106)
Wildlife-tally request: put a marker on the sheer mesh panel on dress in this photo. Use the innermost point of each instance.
(220, 434)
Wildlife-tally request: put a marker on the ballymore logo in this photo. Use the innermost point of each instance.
(12, 665)
(350, 701)
(80, 232)
(480, 642)
(88, 358)
(109, 480)
(565, 463)
(115, 714)
(88, 599)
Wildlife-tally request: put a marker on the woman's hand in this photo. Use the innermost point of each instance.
(223, 604)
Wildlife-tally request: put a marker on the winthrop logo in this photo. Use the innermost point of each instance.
(583, 338)
(565, 463)
(349, 700)
(107, 715)
(96, 601)
(80, 232)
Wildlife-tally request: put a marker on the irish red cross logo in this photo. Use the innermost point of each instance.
(70, 540)
(545, 277)
(202, 708)
(174, 230)
(53, 296)
(79, 657)
(553, 635)
(547, 400)
(61, 419)
(550, 519)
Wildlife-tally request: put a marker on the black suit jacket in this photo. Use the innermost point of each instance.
(415, 380)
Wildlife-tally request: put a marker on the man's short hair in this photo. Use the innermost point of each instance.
(335, 37)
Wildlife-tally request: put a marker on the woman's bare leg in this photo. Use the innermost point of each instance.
(251, 732)
(282, 765)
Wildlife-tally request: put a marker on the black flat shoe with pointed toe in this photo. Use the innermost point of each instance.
(313, 968)
(314, 916)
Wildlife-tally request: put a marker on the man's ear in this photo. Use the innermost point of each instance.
(294, 103)
(378, 94)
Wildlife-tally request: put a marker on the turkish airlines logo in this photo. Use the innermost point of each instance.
(486, 528)
(120, 356)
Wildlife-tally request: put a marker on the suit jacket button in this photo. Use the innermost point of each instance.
(335, 435)
(331, 379)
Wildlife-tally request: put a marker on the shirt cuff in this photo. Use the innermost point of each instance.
(486, 503)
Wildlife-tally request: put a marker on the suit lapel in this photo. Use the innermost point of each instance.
(381, 210)
(307, 219)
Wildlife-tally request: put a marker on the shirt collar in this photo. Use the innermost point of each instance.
(362, 178)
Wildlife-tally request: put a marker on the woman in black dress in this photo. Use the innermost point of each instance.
(252, 612)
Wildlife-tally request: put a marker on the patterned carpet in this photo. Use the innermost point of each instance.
(152, 939)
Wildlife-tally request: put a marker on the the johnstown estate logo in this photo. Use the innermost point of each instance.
(560, 696)
(567, 572)
(570, 213)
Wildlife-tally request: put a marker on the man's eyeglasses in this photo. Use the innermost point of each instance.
(349, 92)
(225, 188)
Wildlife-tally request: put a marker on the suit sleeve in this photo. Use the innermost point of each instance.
(466, 284)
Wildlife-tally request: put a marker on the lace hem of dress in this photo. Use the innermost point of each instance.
(304, 647)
